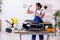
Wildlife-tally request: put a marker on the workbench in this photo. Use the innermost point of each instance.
(22, 32)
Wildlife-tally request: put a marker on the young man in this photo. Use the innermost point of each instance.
(39, 14)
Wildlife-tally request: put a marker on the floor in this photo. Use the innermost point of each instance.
(12, 36)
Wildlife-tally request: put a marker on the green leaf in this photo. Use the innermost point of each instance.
(58, 24)
(57, 13)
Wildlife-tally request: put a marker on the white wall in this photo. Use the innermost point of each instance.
(13, 8)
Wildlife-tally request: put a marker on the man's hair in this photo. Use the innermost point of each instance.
(39, 5)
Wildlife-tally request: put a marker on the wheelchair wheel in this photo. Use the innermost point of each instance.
(8, 30)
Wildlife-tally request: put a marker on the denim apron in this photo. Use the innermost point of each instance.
(41, 37)
(38, 18)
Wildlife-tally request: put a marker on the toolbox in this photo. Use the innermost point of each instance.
(50, 29)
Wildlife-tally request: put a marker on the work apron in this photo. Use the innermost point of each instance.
(38, 18)
(41, 37)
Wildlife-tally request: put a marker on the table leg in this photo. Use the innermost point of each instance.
(20, 37)
(48, 37)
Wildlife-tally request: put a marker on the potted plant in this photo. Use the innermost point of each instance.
(57, 15)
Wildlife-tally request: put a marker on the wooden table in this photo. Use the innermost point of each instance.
(32, 32)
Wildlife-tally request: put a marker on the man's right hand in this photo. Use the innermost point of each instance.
(29, 6)
(29, 11)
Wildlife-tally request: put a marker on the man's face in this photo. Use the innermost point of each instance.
(37, 7)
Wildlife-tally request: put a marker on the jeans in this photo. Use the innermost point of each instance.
(41, 37)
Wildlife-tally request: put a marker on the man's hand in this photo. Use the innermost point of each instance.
(29, 11)
(36, 12)
(29, 6)
(39, 15)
